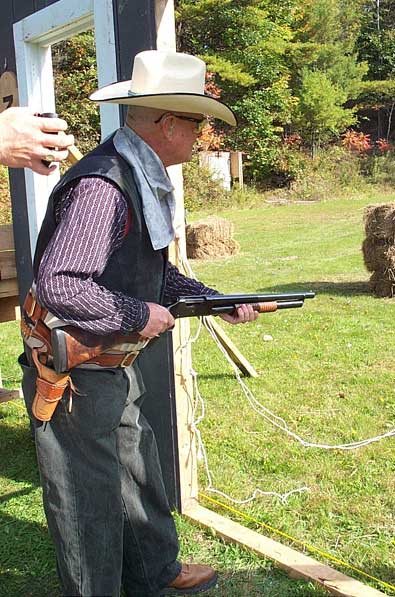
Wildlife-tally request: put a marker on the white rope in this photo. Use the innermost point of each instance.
(203, 455)
(280, 422)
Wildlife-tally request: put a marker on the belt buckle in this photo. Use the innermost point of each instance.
(124, 363)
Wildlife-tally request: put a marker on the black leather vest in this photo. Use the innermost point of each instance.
(135, 269)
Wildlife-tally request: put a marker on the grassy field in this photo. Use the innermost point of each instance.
(328, 372)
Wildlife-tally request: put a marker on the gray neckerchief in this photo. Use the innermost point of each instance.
(153, 184)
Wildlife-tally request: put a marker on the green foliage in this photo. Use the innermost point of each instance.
(245, 47)
(75, 78)
(320, 111)
(325, 70)
(376, 45)
(376, 42)
(380, 169)
(375, 95)
(333, 171)
(281, 66)
(202, 192)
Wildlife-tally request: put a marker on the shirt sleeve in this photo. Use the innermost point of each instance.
(179, 285)
(93, 217)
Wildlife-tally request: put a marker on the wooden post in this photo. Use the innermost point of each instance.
(236, 167)
(166, 39)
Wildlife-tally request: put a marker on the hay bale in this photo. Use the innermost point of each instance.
(382, 285)
(378, 248)
(380, 221)
(211, 237)
(378, 254)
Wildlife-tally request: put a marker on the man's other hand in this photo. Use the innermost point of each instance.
(242, 314)
(26, 140)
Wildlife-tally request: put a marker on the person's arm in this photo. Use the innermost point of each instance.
(26, 140)
(93, 216)
(179, 285)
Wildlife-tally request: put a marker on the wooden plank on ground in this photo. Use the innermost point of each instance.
(9, 288)
(7, 395)
(6, 237)
(296, 564)
(7, 265)
(237, 357)
(9, 309)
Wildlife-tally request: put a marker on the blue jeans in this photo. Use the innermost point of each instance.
(103, 491)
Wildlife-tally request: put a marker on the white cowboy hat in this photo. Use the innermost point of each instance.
(167, 80)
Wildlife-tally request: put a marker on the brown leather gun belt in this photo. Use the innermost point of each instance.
(33, 325)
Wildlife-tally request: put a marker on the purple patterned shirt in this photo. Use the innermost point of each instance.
(92, 218)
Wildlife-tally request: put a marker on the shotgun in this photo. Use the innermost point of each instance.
(72, 346)
(218, 304)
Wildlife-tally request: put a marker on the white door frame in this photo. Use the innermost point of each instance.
(33, 37)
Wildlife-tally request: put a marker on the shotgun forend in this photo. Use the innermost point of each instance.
(197, 306)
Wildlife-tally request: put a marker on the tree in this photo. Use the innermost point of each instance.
(376, 42)
(75, 79)
(244, 46)
(376, 45)
(320, 112)
(284, 66)
(325, 69)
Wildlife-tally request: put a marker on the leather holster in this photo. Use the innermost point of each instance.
(50, 387)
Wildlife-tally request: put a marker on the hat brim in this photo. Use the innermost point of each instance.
(119, 93)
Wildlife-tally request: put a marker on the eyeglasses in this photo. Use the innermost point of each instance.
(200, 123)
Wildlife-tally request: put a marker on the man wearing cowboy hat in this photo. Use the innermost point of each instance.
(101, 266)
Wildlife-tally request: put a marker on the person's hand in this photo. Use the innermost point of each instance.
(26, 140)
(243, 314)
(160, 320)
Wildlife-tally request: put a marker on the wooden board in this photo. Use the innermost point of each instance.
(7, 265)
(9, 309)
(296, 564)
(6, 237)
(237, 357)
(9, 288)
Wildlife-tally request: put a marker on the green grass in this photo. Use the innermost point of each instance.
(328, 372)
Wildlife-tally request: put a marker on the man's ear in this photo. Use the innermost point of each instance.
(168, 126)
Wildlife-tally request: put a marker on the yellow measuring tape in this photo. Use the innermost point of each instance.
(310, 548)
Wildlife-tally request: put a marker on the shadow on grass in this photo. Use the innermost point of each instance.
(18, 455)
(332, 288)
(26, 553)
(217, 376)
(27, 559)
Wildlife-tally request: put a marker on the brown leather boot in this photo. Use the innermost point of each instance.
(192, 579)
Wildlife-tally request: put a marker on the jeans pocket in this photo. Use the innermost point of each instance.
(98, 402)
